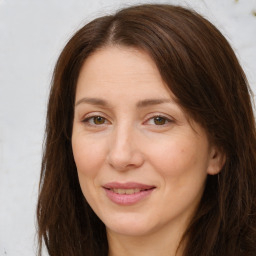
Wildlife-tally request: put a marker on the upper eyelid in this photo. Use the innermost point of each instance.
(153, 115)
(89, 117)
(94, 114)
(166, 119)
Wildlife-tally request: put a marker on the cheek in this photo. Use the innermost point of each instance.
(88, 156)
(182, 166)
(169, 156)
(179, 157)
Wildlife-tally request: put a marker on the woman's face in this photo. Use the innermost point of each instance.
(141, 165)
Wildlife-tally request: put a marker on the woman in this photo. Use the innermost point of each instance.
(150, 141)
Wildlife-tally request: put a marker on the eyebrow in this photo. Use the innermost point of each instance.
(150, 102)
(92, 101)
(140, 104)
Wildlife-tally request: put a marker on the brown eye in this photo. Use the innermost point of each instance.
(98, 120)
(160, 120)
(95, 120)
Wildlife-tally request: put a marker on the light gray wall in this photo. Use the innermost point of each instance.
(32, 34)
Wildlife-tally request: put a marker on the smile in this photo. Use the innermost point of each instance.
(127, 193)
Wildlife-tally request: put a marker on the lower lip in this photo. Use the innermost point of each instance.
(125, 199)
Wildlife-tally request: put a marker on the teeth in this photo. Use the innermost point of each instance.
(122, 191)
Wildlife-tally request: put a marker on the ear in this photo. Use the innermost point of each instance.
(217, 161)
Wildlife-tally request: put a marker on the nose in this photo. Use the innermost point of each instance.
(124, 151)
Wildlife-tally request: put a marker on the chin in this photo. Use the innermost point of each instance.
(129, 230)
(129, 226)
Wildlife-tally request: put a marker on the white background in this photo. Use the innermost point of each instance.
(32, 34)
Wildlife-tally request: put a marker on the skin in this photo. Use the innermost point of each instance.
(128, 143)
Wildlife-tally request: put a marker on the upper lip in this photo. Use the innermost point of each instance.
(127, 185)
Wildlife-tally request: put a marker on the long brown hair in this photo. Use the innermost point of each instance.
(201, 69)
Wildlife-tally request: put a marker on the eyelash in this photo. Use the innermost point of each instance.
(163, 118)
(105, 121)
(93, 118)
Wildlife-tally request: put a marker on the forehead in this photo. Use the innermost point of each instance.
(116, 69)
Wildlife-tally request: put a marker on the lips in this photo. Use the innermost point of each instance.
(127, 193)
